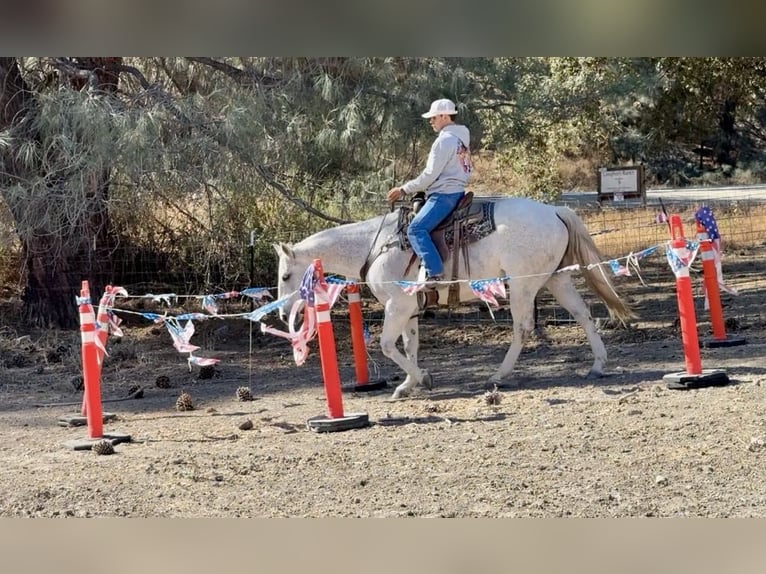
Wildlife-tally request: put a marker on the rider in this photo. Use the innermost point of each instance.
(443, 179)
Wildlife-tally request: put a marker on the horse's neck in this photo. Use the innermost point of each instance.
(342, 250)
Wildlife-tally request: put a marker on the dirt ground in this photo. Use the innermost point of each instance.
(555, 445)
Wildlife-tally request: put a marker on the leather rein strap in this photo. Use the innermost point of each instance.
(369, 259)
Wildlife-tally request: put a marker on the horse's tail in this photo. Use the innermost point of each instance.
(582, 250)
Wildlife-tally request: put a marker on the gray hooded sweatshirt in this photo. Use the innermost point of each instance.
(449, 163)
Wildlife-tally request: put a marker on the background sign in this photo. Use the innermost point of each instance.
(621, 183)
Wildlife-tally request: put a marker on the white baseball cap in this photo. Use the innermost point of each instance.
(439, 107)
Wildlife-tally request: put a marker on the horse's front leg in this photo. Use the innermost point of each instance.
(411, 340)
(401, 321)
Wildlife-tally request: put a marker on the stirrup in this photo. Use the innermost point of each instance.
(427, 298)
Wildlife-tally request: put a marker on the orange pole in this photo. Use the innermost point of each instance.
(327, 353)
(685, 297)
(711, 283)
(357, 334)
(91, 371)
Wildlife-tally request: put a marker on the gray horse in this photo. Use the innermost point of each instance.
(530, 243)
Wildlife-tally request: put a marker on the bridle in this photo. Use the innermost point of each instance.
(369, 259)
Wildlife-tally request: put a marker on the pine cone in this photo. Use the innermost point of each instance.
(162, 382)
(493, 397)
(184, 402)
(244, 394)
(103, 447)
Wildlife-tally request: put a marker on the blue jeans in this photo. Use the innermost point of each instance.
(437, 207)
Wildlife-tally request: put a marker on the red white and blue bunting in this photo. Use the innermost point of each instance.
(487, 290)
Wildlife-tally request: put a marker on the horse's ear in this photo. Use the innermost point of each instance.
(283, 248)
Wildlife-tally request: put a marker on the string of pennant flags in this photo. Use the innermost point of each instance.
(487, 290)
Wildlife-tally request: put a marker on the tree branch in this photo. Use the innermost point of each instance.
(237, 74)
(167, 101)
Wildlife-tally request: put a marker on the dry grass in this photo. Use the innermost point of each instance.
(487, 179)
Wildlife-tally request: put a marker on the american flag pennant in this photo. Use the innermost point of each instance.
(209, 304)
(487, 289)
(333, 292)
(645, 252)
(114, 324)
(263, 310)
(299, 338)
(618, 269)
(410, 287)
(682, 257)
(181, 335)
(257, 293)
(704, 216)
(308, 284)
(227, 295)
(338, 280)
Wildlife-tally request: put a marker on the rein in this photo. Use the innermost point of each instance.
(368, 261)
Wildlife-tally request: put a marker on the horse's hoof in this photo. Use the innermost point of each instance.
(594, 375)
(491, 385)
(400, 392)
(428, 381)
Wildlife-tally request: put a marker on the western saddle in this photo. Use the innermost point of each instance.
(470, 221)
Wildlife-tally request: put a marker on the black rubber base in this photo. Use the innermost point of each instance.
(366, 387)
(78, 420)
(727, 342)
(347, 422)
(709, 378)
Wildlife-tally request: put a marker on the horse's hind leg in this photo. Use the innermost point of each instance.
(562, 288)
(522, 303)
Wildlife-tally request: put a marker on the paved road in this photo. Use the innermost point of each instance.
(755, 193)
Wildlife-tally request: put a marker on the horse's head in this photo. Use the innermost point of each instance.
(290, 274)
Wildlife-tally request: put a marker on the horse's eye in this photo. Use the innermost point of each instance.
(285, 277)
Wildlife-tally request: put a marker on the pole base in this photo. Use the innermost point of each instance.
(727, 342)
(78, 420)
(685, 381)
(347, 422)
(86, 443)
(366, 387)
